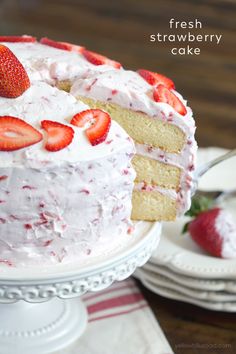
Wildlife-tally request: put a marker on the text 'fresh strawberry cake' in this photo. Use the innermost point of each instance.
(76, 127)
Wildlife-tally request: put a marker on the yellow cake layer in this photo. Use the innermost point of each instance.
(64, 85)
(157, 173)
(153, 206)
(143, 129)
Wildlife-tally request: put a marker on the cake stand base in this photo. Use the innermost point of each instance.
(44, 327)
(51, 315)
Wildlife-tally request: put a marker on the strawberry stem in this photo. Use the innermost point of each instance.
(185, 228)
(199, 204)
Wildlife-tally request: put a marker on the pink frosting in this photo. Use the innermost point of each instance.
(57, 206)
(226, 228)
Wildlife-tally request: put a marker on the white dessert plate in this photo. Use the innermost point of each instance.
(194, 283)
(179, 253)
(175, 295)
(182, 255)
(162, 281)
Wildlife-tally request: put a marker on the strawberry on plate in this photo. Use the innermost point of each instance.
(156, 79)
(61, 45)
(99, 121)
(22, 39)
(214, 229)
(16, 134)
(59, 135)
(163, 94)
(98, 59)
(14, 80)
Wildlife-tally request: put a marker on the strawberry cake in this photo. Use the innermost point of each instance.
(58, 141)
(66, 177)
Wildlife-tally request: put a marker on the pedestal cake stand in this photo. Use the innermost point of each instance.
(40, 307)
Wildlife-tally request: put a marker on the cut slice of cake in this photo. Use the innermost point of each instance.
(163, 132)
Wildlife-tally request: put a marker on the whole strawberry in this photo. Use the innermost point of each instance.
(13, 77)
(214, 230)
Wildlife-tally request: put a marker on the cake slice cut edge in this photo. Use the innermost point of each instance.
(150, 204)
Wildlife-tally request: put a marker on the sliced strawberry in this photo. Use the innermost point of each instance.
(13, 77)
(162, 94)
(100, 123)
(59, 135)
(98, 59)
(61, 45)
(16, 134)
(155, 79)
(23, 39)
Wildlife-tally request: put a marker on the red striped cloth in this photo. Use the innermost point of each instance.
(121, 298)
(120, 322)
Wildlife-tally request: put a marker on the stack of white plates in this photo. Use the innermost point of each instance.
(180, 270)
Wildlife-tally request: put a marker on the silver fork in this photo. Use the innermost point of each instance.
(201, 170)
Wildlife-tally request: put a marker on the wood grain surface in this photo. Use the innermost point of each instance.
(121, 30)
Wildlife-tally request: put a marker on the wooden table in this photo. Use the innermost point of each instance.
(121, 30)
(193, 330)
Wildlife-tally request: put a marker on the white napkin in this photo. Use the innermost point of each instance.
(120, 322)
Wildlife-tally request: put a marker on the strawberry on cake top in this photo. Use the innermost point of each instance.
(51, 64)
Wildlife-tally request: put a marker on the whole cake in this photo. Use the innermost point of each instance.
(144, 103)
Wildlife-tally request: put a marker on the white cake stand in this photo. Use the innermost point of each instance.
(37, 325)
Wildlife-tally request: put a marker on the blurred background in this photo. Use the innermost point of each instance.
(121, 30)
